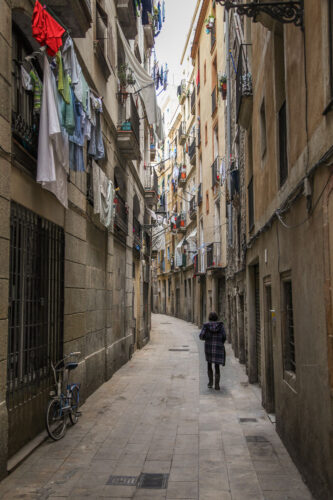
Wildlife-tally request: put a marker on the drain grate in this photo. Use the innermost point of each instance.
(247, 419)
(256, 439)
(122, 480)
(153, 481)
(183, 350)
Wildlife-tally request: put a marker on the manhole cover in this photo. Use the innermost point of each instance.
(244, 420)
(256, 439)
(153, 481)
(122, 480)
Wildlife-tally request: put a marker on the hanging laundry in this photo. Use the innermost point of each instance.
(96, 145)
(46, 30)
(37, 90)
(104, 194)
(70, 62)
(158, 79)
(67, 110)
(26, 79)
(76, 141)
(63, 81)
(197, 80)
(52, 161)
(163, 11)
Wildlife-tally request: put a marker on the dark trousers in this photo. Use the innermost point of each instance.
(210, 370)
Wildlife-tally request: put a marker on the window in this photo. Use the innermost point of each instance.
(168, 253)
(263, 128)
(207, 202)
(216, 142)
(185, 288)
(283, 158)
(104, 43)
(289, 359)
(169, 287)
(36, 302)
(206, 135)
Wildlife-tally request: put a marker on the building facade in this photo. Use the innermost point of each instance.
(283, 95)
(68, 282)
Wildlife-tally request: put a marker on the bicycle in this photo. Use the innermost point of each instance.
(63, 404)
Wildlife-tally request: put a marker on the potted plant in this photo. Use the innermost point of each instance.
(122, 76)
(130, 77)
(223, 86)
(210, 21)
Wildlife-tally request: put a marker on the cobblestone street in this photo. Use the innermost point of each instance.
(156, 415)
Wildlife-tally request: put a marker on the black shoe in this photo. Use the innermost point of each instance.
(210, 385)
(217, 386)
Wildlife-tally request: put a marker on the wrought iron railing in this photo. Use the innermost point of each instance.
(121, 214)
(191, 149)
(192, 208)
(215, 172)
(243, 76)
(214, 100)
(193, 102)
(137, 234)
(213, 252)
(151, 180)
(200, 194)
(135, 120)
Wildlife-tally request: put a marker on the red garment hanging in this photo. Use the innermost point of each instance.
(197, 81)
(46, 30)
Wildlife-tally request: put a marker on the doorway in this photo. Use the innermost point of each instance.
(269, 396)
(257, 321)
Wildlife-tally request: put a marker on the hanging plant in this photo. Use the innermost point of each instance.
(130, 77)
(223, 86)
(125, 76)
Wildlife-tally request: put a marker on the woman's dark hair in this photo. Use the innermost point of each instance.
(212, 316)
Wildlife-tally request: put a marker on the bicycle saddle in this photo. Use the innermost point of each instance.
(71, 366)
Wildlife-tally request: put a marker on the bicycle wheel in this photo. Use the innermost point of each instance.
(55, 420)
(75, 401)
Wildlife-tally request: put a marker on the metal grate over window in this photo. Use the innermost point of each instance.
(36, 304)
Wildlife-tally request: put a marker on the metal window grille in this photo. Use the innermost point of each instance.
(25, 122)
(289, 356)
(36, 304)
(283, 144)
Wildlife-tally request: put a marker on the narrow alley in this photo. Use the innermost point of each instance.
(156, 415)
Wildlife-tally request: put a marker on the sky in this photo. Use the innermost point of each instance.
(169, 44)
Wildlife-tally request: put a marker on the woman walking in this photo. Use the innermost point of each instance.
(213, 334)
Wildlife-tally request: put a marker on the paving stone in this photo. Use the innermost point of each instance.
(152, 416)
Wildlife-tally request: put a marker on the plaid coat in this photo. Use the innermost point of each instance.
(213, 334)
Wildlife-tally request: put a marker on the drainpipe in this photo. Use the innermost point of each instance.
(229, 212)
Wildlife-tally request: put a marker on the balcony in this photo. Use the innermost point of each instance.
(162, 266)
(128, 135)
(192, 152)
(193, 208)
(137, 234)
(181, 221)
(127, 18)
(200, 194)
(121, 214)
(193, 102)
(182, 134)
(151, 186)
(181, 91)
(214, 101)
(215, 172)
(244, 92)
(213, 252)
(78, 16)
